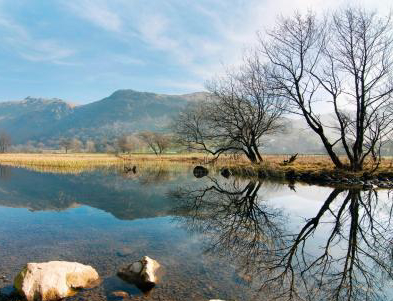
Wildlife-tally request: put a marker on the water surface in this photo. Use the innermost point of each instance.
(216, 238)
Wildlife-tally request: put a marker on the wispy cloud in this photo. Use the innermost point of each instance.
(97, 12)
(32, 49)
(186, 86)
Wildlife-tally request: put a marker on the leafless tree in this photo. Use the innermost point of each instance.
(344, 60)
(5, 142)
(123, 142)
(239, 113)
(90, 146)
(76, 144)
(157, 142)
(66, 144)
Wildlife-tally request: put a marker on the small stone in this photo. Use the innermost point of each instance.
(136, 267)
(120, 294)
(142, 273)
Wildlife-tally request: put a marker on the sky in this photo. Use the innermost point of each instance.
(84, 50)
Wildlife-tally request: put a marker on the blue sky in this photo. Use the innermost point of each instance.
(83, 50)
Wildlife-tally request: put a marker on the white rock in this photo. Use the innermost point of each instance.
(54, 280)
(142, 273)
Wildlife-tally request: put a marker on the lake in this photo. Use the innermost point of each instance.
(215, 237)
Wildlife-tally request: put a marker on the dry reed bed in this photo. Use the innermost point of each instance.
(78, 163)
(83, 162)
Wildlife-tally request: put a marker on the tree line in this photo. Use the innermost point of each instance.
(155, 142)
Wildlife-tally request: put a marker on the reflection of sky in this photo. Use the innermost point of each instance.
(69, 234)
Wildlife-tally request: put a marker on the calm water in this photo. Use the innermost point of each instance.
(216, 238)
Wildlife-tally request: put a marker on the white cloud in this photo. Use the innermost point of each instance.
(127, 60)
(188, 86)
(97, 12)
(230, 26)
(30, 48)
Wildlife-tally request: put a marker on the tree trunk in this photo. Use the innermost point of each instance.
(251, 155)
(257, 153)
(329, 148)
(357, 165)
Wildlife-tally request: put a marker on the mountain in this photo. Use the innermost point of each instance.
(125, 111)
(32, 118)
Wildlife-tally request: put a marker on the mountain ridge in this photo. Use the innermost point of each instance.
(47, 120)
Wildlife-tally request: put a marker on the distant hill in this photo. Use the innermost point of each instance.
(125, 111)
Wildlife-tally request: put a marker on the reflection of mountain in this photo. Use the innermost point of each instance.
(124, 198)
(343, 252)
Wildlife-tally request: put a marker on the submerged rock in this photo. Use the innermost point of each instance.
(142, 273)
(120, 294)
(200, 172)
(54, 280)
(226, 173)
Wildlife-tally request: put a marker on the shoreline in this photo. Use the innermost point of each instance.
(308, 168)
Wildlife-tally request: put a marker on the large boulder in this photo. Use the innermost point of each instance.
(54, 280)
(142, 273)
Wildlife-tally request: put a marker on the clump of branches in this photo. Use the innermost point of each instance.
(237, 115)
(344, 61)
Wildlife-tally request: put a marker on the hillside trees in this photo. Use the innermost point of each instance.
(124, 143)
(90, 146)
(71, 143)
(344, 62)
(239, 113)
(5, 142)
(66, 144)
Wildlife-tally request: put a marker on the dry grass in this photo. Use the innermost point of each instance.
(82, 162)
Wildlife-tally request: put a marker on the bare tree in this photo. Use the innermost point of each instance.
(124, 143)
(76, 144)
(90, 146)
(345, 61)
(157, 142)
(5, 142)
(239, 113)
(65, 143)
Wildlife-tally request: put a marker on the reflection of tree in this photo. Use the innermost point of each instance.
(149, 176)
(237, 223)
(352, 258)
(5, 172)
(344, 252)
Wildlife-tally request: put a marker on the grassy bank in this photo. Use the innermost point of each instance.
(272, 165)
